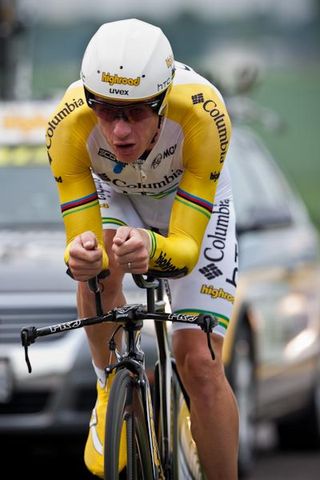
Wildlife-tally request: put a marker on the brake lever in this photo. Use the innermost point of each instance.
(28, 336)
(94, 286)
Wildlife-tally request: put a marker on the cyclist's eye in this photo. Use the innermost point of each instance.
(133, 114)
(106, 113)
(139, 113)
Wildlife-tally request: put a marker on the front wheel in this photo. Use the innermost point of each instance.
(183, 462)
(126, 432)
(168, 449)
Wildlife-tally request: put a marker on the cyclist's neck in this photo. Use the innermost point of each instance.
(153, 141)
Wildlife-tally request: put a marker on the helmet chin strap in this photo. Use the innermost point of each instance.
(154, 139)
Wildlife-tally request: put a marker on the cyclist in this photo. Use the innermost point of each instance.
(138, 150)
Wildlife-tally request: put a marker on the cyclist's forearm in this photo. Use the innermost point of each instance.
(179, 251)
(175, 254)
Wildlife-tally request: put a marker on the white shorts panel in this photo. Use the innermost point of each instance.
(211, 286)
(116, 208)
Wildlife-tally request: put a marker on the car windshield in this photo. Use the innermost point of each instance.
(258, 187)
(28, 194)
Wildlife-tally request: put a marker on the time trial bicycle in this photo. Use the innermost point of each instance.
(159, 443)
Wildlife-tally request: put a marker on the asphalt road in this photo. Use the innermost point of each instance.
(290, 465)
(272, 463)
(63, 459)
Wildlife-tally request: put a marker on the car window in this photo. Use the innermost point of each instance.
(28, 194)
(259, 189)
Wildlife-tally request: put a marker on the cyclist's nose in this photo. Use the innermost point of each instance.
(122, 127)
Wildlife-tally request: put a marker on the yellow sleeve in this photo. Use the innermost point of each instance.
(207, 131)
(67, 133)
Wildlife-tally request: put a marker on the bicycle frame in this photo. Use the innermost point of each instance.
(165, 366)
(133, 359)
(131, 317)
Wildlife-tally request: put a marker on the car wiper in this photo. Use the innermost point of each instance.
(264, 219)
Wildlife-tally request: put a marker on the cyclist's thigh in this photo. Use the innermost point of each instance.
(211, 286)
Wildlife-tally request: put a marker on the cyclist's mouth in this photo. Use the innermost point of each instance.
(124, 149)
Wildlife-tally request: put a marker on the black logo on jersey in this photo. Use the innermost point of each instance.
(165, 264)
(214, 176)
(218, 117)
(166, 153)
(210, 271)
(107, 154)
(233, 279)
(156, 161)
(123, 185)
(198, 98)
(215, 252)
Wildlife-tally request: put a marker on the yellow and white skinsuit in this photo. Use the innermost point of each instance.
(181, 189)
(180, 192)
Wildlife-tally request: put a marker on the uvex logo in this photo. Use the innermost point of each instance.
(119, 91)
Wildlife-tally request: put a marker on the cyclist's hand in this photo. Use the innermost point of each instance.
(131, 249)
(85, 259)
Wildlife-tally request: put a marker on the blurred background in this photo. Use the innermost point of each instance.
(262, 54)
(267, 48)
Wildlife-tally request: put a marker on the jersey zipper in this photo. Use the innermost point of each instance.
(142, 173)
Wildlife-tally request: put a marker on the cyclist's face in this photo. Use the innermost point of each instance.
(129, 130)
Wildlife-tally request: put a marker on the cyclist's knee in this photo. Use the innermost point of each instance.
(112, 285)
(202, 376)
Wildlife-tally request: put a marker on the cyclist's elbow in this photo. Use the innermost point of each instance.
(191, 256)
(177, 261)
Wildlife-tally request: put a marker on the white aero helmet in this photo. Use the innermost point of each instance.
(128, 60)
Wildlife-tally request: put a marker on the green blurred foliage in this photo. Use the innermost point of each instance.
(295, 96)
